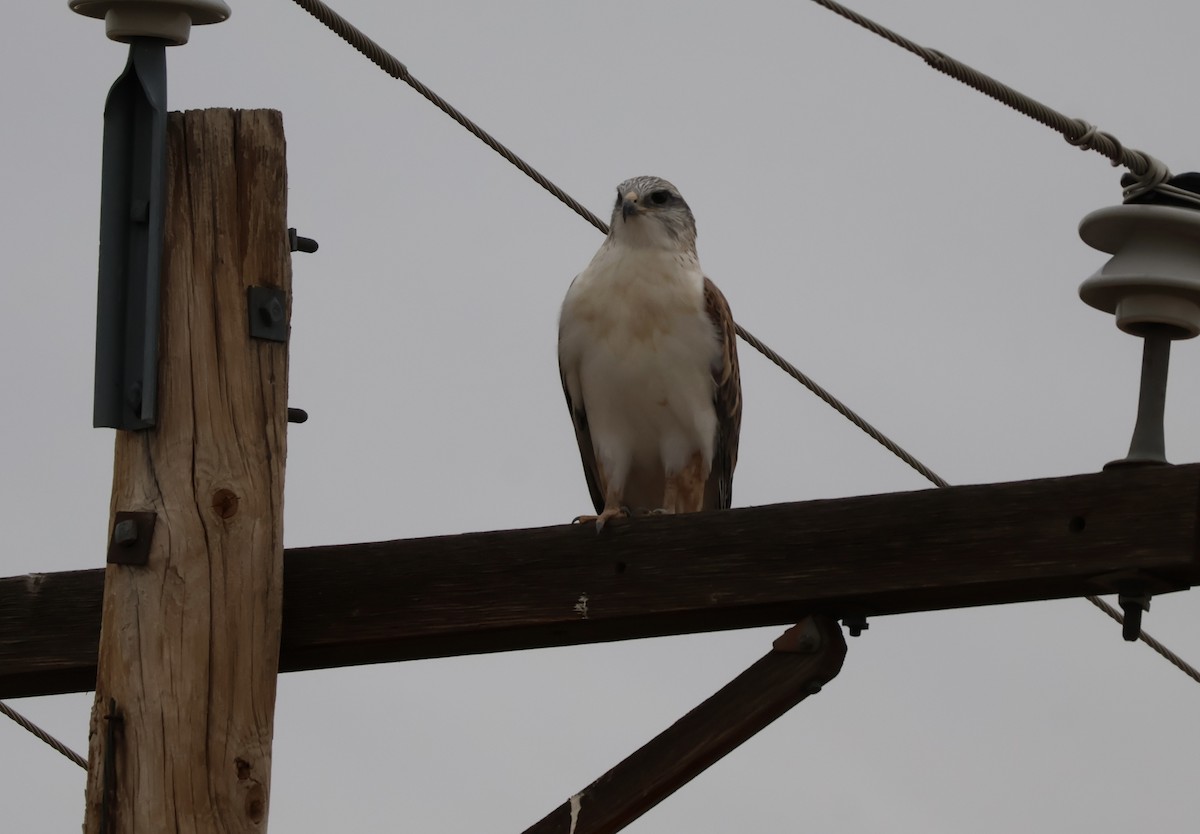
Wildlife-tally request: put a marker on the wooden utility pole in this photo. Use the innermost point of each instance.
(181, 728)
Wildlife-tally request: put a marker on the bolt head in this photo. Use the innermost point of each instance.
(271, 313)
(125, 532)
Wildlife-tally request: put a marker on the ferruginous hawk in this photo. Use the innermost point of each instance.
(647, 353)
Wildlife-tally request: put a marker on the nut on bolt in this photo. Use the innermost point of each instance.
(856, 624)
(132, 535)
(125, 532)
(271, 312)
(1133, 603)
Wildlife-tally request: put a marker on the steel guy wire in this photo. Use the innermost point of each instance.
(43, 735)
(1152, 174)
(841, 407)
(393, 67)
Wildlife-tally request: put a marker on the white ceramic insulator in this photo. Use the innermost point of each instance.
(170, 20)
(1153, 277)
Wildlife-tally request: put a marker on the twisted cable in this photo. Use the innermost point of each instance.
(1150, 173)
(840, 407)
(43, 735)
(389, 64)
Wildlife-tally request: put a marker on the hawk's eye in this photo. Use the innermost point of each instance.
(660, 197)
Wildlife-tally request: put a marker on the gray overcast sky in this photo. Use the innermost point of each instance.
(906, 241)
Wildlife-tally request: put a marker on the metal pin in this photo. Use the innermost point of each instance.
(301, 244)
(1148, 446)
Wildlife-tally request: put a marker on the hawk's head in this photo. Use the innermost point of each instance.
(651, 212)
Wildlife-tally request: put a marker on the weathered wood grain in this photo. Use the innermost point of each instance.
(773, 565)
(189, 644)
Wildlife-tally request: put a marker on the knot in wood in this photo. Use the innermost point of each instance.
(225, 502)
(256, 805)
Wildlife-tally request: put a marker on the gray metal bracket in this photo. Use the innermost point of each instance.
(133, 195)
(268, 313)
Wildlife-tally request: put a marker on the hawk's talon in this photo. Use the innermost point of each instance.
(610, 512)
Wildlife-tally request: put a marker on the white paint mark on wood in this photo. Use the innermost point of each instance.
(581, 606)
(576, 801)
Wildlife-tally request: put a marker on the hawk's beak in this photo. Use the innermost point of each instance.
(629, 205)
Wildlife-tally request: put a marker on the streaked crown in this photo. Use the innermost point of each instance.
(657, 200)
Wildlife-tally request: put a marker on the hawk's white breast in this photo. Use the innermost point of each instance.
(637, 349)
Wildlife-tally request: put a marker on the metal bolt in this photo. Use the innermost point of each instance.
(297, 415)
(271, 313)
(855, 624)
(1133, 603)
(300, 244)
(132, 535)
(267, 309)
(125, 533)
